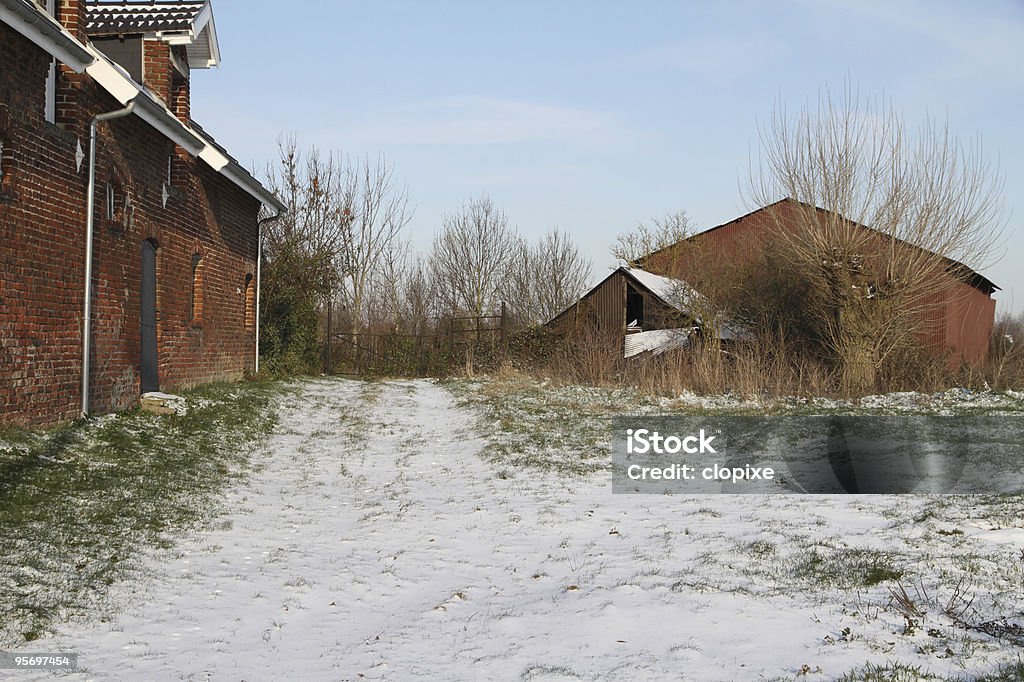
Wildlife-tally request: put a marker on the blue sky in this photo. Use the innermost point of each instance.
(595, 115)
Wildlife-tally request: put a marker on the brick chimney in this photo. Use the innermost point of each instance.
(157, 68)
(71, 15)
(180, 102)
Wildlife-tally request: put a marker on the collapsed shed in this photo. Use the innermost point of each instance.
(652, 313)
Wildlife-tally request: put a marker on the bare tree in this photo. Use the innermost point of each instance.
(316, 229)
(301, 253)
(417, 297)
(543, 279)
(650, 237)
(384, 295)
(372, 245)
(931, 202)
(470, 256)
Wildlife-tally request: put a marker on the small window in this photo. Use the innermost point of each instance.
(197, 288)
(50, 106)
(7, 166)
(111, 202)
(170, 168)
(250, 303)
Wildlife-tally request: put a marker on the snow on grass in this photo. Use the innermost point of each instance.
(77, 503)
(950, 402)
(467, 530)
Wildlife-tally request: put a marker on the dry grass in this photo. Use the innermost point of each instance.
(751, 368)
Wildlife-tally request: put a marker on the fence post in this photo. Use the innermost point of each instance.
(503, 324)
(330, 365)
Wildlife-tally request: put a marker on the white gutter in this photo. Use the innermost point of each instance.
(120, 85)
(46, 32)
(90, 203)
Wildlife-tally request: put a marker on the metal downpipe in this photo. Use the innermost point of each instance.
(90, 219)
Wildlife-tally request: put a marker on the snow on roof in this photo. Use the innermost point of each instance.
(671, 291)
(683, 297)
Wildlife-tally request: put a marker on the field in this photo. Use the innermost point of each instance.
(341, 529)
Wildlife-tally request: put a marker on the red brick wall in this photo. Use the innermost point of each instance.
(156, 68)
(42, 245)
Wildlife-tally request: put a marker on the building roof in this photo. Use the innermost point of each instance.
(46, 32)
(954, 267)
(674, 293)
(236, 172)
(26, 17)
(177, 23)
(146, 17)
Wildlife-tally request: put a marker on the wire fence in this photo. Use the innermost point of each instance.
(448, 343)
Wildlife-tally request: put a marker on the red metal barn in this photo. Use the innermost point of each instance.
(960, 314)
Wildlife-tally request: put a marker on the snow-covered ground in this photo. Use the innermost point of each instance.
(379, 541)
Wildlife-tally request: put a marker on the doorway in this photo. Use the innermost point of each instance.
(149, 379)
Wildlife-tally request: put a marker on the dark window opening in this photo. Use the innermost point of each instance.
(125, 50)
(634, 307)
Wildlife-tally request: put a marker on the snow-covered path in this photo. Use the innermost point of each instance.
(374, 543)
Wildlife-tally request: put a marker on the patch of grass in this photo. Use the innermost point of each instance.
(1009, 672)
(761, 548)
(899, 672)
(848, 568)
(562, 429)
(79, 504)
(888, 672)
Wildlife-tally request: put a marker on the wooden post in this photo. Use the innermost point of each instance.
(503, 325)
(330, 365)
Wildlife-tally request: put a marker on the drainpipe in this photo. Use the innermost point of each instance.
(90, 208)
(259, 268)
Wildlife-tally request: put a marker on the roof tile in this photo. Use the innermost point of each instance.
(104, 18)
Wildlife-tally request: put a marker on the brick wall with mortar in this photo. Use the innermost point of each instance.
(42, 247)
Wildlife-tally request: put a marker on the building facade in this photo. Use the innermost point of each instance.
(174, 219)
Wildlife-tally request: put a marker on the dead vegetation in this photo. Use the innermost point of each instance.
(765, 366)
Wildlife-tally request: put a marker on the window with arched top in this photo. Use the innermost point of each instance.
(250, 303)
(8, 162)
(197, 288)
(6, 167)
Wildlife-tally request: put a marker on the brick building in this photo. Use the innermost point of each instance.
(174, 221)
